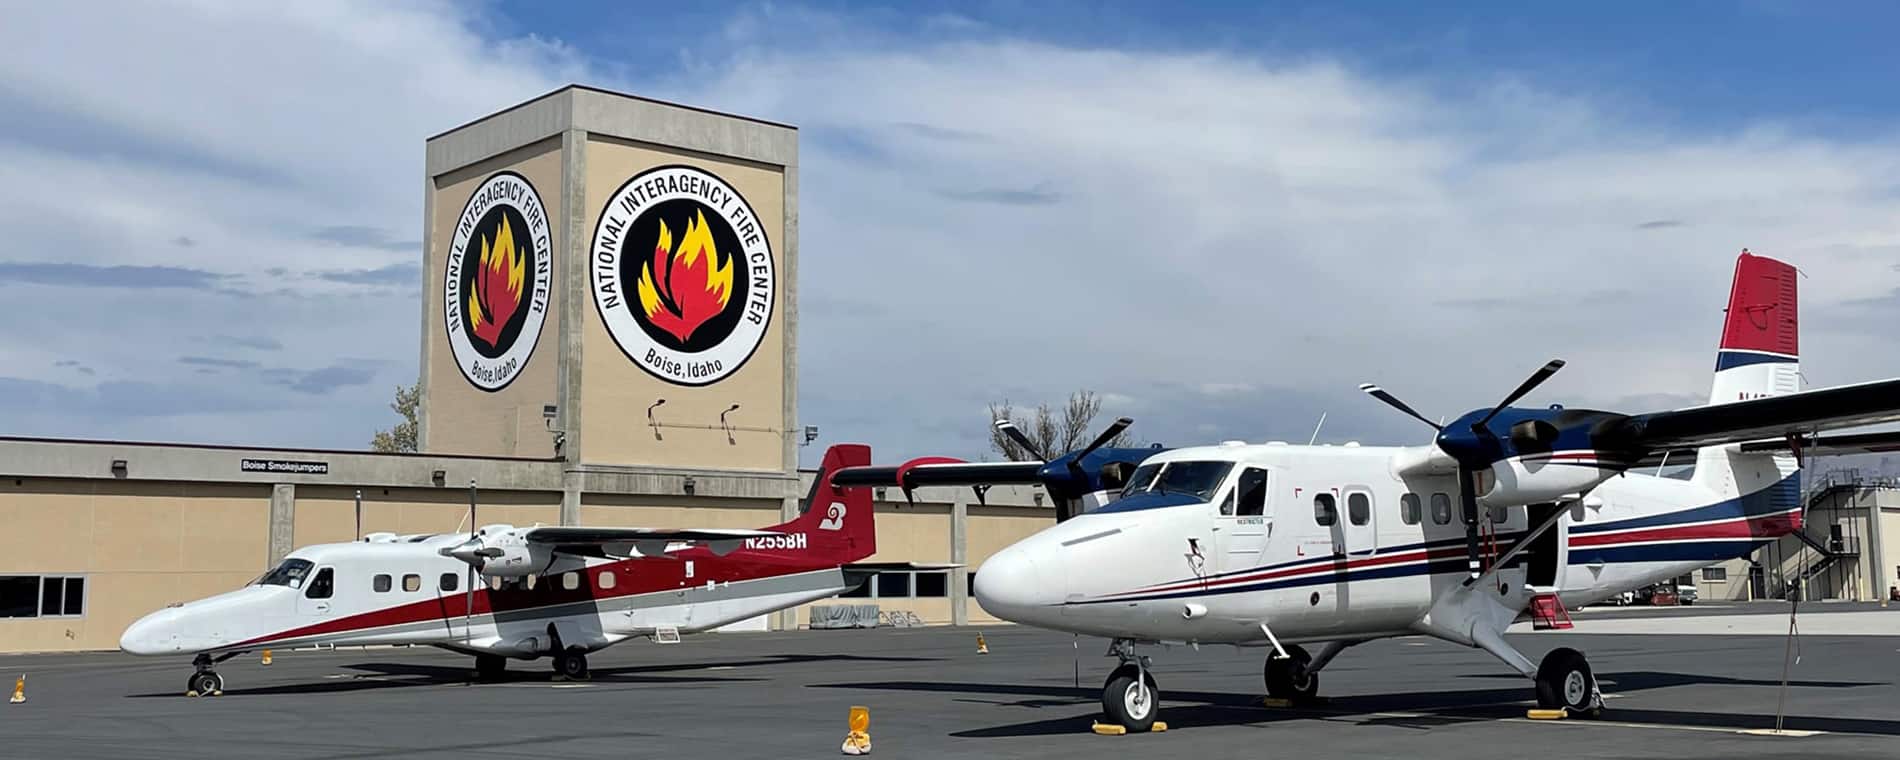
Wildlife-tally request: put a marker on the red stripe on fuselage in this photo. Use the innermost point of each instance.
(1764, 526)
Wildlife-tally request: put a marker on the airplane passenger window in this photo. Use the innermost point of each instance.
(1253, 492)
(570, 581)
(412, 583)
(381, 583)
(1441, 509)
(320, 586)
(1325, 509)
(1409, 511)
(1359, 507)
(450, 582)
(606, 579)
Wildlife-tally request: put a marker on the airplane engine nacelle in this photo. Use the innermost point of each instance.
(1543, 478)
(508, 556)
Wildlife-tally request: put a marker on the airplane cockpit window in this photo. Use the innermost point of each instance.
(320, 586)
(1144, 476)
(291, 573)
(1253, 492)
(1114, 476)
(1199, 479)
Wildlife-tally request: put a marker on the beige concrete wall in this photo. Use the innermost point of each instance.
(908, 533)
(326, 514)
(460, 417)
(616, 392)
(140, 545)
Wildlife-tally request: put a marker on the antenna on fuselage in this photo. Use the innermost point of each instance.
(1322, 423)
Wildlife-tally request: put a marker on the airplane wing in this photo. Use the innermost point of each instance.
(607, 542)
(1752, 420)
(1858, 443)
(940, 471)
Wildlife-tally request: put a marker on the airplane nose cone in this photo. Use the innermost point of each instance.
(1011, 586)
(152, 634)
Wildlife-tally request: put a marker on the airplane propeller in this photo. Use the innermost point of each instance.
(1473, 450)
(1009, 429)
(1065, 509)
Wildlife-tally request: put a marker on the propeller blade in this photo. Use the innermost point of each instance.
(1114, 429)
(1009, 429)
(1537, 378)
(1394, 402)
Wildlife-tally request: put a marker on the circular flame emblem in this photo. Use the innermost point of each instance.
(682, 274)
(496, 283)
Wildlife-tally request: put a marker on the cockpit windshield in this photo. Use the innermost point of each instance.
(1140, 481)
(291, 574)
(1197, 479)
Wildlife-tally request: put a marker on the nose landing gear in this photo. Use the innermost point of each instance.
(205, 681)
(1130, 698)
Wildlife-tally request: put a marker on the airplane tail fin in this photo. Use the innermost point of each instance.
(1759, 356)
(837, 523)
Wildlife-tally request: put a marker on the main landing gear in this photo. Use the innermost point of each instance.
(1564, 682)
(1130, 699)
(1292, 677)
(571, 664)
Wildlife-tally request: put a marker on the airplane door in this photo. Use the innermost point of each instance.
(1243, 522)
(317, 594)
(1361, 527)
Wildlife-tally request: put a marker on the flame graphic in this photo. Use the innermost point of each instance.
(496, 294)
(681, 290)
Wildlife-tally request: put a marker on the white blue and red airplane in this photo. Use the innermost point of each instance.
(507, 592)
(1510, 513)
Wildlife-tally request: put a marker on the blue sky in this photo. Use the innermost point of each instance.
(1221, 216)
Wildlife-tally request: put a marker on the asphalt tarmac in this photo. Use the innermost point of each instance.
(779, 695)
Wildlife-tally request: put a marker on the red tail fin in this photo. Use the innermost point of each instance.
(837, 522)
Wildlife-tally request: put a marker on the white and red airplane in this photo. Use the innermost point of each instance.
(507, 592)
(1511, 513)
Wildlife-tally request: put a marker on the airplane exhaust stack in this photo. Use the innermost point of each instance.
(1193, 610)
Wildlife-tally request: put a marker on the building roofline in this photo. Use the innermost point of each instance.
(604, 91)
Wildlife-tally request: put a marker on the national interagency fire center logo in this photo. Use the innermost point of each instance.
(496, 285)
(683, 274)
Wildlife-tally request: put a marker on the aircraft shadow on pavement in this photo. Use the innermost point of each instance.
(1420, 710)
(388, 674)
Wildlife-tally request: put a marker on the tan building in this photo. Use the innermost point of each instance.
(1844, 551)
(609, 338)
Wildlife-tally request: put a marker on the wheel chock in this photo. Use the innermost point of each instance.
(858, 741)
(1108, 729)
(1536, 714)
(1159, 727)
(19, 691)
(193, 694)
(1276, 702)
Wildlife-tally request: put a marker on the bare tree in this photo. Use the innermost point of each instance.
(401, 437)
(1054, 431)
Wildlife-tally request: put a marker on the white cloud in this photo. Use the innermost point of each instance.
(1000, 217)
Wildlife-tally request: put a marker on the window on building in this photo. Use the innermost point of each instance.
(381, 583)
(1715, 574)
(1253, 492)
(1409, 510)
(1359, 507)
(25, 596)
(893, 585)
(1325, 509)
(570, 581)
(606, 579)
(412, 583)
(934, 585)
(321, 587)
(1441, 509)
(450, 582)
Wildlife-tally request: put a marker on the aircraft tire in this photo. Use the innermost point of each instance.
(205, 683)
(571, 665)
(490, 667)
(1564, 682)
(1123, 706)
(1287, 677)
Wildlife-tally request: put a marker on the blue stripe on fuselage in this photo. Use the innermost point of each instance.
(1780, 497)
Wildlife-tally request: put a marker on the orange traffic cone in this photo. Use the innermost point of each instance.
(266, 660)
(858, 742)
(982, 647)
(19, 690)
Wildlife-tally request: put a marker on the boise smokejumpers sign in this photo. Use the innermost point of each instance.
(495, 287)
(682, 275)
